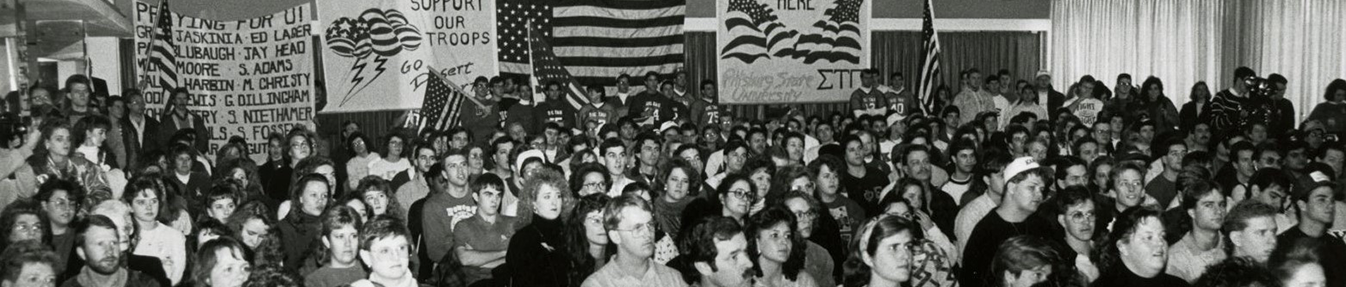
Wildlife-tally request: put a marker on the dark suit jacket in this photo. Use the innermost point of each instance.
(1055, 100)
(167, 127)
(137, 143)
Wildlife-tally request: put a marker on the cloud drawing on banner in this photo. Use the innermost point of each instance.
(837, 38)
(382, 33)
(757, 33)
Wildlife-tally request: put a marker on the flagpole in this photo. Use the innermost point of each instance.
(435, 74)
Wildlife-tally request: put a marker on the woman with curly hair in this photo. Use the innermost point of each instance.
(24, 220)
(537, 254)
(1136, 252)
(244, 171)
(377, 195)
(775, 245)
(362, 153)
(677, 186)
(252, 225)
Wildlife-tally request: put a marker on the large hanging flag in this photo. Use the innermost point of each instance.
(547, 69)
(596, 40)
(761, 34)
(442, 104)
(930, 61)
(163, 53)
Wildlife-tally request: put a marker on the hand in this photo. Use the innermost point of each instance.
(924, 220)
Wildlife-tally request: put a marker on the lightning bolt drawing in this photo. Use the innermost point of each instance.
(379, 68)
(358, 67)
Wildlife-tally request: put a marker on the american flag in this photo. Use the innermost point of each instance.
(596, 39)
(840, 37)
(163, 51)
(757, 33)
(548, 69)
(929, 63)
(442, 104)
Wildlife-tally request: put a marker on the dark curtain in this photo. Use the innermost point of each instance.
(896, 51)
(900, 51)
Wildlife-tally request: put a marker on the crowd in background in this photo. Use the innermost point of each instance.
(1006, 182)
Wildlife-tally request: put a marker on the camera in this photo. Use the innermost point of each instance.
(13, 128)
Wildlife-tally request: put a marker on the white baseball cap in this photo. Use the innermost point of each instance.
(1020, 165)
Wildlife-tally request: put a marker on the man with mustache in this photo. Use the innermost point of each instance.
(99, 246)
(716, 253)
(1025, 189)
(341, 236)
(631, 227)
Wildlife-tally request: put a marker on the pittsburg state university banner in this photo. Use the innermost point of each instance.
(247, 77)
(378, 51)
(791, 51)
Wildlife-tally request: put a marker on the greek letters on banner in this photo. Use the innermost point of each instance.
(377, 52)
(791, 51)
(246, 77)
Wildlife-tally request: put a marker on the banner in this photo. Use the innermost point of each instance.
(247, 77)
(378, 51)
(791, 51)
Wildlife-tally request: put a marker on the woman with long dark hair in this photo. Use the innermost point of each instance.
(777, 249)
(1332, 110)
(587, 240)
(1160, 107)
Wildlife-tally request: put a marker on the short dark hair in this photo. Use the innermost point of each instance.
(1237, 272)
(698, 241)
(92, 220)
(1237, 218)
(1023, 252)
(1243, 72)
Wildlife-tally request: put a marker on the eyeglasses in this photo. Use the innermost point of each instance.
(741, 194)
(1082, 216)
(594, 185)
(643, 228)
(806, 215)
(63, 203)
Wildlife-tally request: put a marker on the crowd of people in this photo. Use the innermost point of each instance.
(1005, 183)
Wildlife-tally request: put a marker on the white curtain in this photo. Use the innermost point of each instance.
(1177, 41)
(1300, 39)
(1183, 42)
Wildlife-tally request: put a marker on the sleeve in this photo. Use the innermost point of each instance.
(857, 105)
(435, 226)
(27, 180)
(1222, 113)
(178, 246)
(525, 260)
(976, 259)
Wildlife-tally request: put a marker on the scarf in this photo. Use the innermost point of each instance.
(86, 278)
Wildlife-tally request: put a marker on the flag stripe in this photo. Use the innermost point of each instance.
(162, 51)
(618, 13)
(616, 32)
(624, 4)
(619, 23)
(623, 62)
(930, 63)
(620, 42)
(617, 53)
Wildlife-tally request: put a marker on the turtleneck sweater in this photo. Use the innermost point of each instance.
(537, 254)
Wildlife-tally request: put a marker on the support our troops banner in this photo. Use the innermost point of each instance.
(791, 51)
(246, 78)
(377, 52)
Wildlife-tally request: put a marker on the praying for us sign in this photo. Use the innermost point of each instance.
(246, 78)
(791, 51)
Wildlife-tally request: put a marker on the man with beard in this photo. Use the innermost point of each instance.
(1203, 246)
(716, 254)
(630, 227)
(99, 246)
(1025, 189)
(341, 236)
(120, 214)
